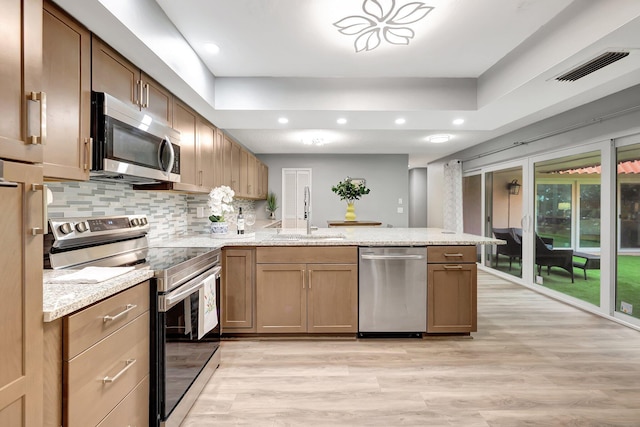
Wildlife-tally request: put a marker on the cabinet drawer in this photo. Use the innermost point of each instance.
(451, 254)
(88, 398)
(307, 254)
(133, 410)
(87, 327)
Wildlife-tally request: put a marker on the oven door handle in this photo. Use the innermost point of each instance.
(172, 298)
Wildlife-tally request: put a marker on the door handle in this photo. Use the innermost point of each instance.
(392, 257)
(42, 98)
(172, 155)
(45, 214)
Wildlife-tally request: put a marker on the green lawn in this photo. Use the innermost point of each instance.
(589, 290)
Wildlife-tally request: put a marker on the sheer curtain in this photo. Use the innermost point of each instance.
(453, 196)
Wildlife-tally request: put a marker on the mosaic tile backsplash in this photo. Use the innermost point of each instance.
(169, 214)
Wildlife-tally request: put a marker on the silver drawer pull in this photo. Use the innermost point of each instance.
(122, 313)
(129, 363)
(459, 255)
(453, 267)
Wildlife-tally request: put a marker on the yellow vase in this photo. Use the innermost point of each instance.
(351, 212)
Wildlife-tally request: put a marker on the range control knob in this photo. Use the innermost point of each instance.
(66, 228)
(81, 227)
(144, 221)
(135, 222)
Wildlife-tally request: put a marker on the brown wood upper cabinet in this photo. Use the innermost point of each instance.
(113, 74)
(22, 102)
(452, 281)
(185, 120)
(66, 57)
(307, 290)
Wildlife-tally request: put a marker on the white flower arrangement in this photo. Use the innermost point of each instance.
(220, 199)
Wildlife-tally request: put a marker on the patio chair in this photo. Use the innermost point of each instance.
(513, 248)
(562, 258)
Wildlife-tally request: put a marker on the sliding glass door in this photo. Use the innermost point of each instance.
(567, 224)
(627, 299)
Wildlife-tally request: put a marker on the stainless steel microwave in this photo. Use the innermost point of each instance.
(130, 146)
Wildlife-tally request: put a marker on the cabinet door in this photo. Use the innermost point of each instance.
(184, 120)
(206, 143)
(21, 373)
(157, 101)
(20, 73)
(227, 147)
(236, 153)
(332, 298)
(281, 298)
(252, 177)
(218, 159)
(264, 181)
(237, 290)
(244, 174)
(451, 298)
(66, 78)
(113, 74)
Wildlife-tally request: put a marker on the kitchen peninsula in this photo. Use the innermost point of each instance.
(240, 252)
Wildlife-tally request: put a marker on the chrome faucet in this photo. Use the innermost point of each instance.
(307, 212)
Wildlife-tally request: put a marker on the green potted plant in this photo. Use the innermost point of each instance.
(272, 204)
(350, 191)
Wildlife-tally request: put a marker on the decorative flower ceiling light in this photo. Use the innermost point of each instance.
(388, 21)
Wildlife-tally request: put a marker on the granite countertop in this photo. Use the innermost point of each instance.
(343, 236)
(60, 299)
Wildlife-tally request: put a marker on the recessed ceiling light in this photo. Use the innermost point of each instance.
(341, 121)
(212, 48)
(400, 121)
(438, 139)
(313, 140)
(458, 121)
(283, 120)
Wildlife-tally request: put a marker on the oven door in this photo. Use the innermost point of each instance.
(184, 343)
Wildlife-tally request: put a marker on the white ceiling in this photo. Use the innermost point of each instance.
(491, 62)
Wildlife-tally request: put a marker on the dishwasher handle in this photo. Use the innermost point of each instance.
(392, 257)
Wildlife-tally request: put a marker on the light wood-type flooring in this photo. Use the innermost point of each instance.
(533, 362)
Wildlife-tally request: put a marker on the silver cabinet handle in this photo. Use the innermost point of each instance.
(128, 308)
(42, 98)
(139, 90)
(87, 153)
(392, 257)
(128, 364)
(302, 277)
(310, 271)
(146, 102)
(458, 255)
(45, 214)
(453, 267)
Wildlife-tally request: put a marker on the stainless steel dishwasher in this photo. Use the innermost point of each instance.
(392, 289)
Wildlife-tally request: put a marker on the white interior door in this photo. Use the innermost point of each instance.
(293, 182)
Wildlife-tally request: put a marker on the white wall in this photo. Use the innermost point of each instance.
(387, 176)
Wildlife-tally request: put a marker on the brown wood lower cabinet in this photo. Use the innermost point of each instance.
(237, 293)
(451, 289)
(100, 355)
(319, 295)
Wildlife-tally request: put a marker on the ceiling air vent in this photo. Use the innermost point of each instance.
(594, 65)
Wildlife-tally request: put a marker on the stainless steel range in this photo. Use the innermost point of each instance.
(185, 334)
